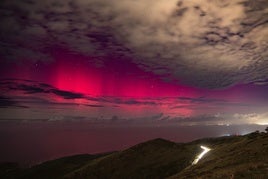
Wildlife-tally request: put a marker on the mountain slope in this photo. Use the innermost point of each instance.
(154, 159)
(54, 168)
(230, 157)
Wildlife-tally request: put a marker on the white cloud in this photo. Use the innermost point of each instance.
(206, 43)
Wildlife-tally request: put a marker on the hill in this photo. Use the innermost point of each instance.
(154, 159)
(230, 157)
(50, 169)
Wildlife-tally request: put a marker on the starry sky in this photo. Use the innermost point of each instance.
(142, 63)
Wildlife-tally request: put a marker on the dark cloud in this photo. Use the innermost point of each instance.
(210, 44)
(39, 98)
(67, 94)
(28, 86)
(201, 100)
(126, 101)
(95, 105)
(263, 82)
(201, 118)
(33, 87)
(6, 102)
(233, 104)
(40, 94)
(136, 102)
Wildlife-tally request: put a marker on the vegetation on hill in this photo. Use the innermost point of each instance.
(47, 170)
(230, 157)
(154, 159)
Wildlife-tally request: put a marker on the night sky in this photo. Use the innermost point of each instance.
(90, 76)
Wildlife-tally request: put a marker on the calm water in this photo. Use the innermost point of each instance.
(29, 143)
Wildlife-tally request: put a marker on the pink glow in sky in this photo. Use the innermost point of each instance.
(129, 64)
(120, 78)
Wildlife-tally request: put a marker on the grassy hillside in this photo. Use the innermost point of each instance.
(230, 157)
(9, 170)
(58, 168)
(50, 169)
(154, 159)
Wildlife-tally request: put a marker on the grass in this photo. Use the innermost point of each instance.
(230, 157)
(154, 159)
(237, 156)
(55, 168)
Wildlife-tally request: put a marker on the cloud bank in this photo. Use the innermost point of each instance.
(203, 43)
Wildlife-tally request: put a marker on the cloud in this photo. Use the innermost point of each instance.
(223, 119)
(35, 94)
(263, 82)
(48, 103)
(204, 43)
(33, 87)
(251, 118)
(15, 87)
(67, 94)
(133, 101)
(94, 105)
(200, 119)
(201, 100)
(6, 102)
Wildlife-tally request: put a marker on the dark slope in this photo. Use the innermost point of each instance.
(154, 159)
(9, 170)
(57, 168)
(232, 157)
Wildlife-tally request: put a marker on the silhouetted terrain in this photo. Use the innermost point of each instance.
(230, 157)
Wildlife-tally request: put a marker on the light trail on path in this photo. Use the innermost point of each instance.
(205, 150)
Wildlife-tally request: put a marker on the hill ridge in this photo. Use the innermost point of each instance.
(239, 156)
